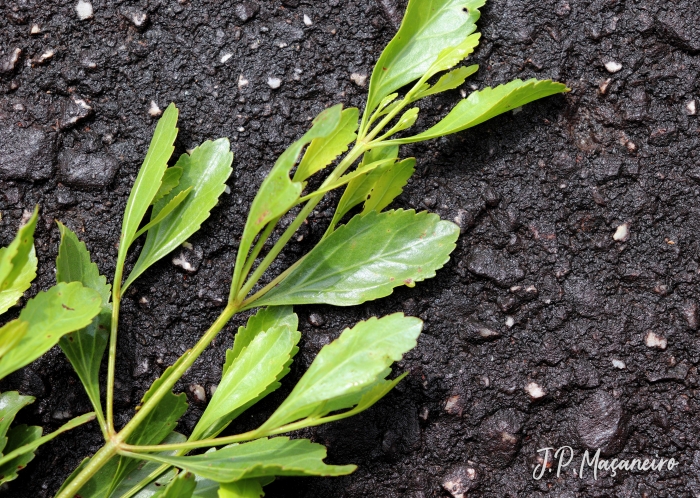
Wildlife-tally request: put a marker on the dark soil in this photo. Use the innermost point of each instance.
(538, 194)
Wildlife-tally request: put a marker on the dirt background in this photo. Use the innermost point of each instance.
(538, 293)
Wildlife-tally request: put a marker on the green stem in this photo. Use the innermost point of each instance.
(112, 355)
(258, 247)
(94, 465)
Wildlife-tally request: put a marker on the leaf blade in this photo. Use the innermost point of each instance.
(389, 185)
(366, 259)
(18, 264)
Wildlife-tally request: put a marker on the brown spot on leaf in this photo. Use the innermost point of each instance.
(66, 307)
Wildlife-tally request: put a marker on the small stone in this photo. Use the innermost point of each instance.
(44, 57)
(653, 340)
(613, 67)
(226, 57)
(535, 391)
(454, 405)
(690, 312)
(619, 364)
(307, 20)
(26, 153)
(494, 265)
(460, 480)
(510, 321)
(316, 320)
(274, 83)
(242, 81)
(690, 108)
(7, 65)
(136, 17)
(84, 10)
(602, 424)
(500, 437)
(198, 392)
(87, 170)
(477, 332)
(188, 259)
(212, 389)
(245, 11)
(73, 112)
(154, 111)
(603, 87)
(359, 79)
(61, 415)
(35, 29)
(622, 233)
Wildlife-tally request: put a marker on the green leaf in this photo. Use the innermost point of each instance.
(10, 335)
(22, 444)
(448, 81)
(205, 170)
(167, 209)
(278, 192)
(84, 348)
(278, 456)
(323, 151)
(389, 185)
(453, 55)
(170, 179)
(247, 488)
(359, 188)
(11, 402)
(73, 264)
(428, 28)
(406, 120)
(487, 103)
(18, 436)
(359, 358)
(366, 259)
(64, 308)
(18, 265)
(149, 179)
(255, 368)
(180, 487)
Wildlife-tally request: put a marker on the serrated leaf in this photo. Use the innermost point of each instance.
(17, 437)
(359, 188)
(278, 192)
(11, 402)
(163, 213)
(170, 179)
(64, 308)
(366, 259)
(255, 368)
(355, 361)
(205, 170)
(278, 456)
(448, 81)
(180, 487)
(247, 488)
(18, 265)
(323, 151)
(22, 444)
(451, 56)
(389, 185)
(428, 28)
(485, 104)
(264, 319)
(84, 348)
(149, 179)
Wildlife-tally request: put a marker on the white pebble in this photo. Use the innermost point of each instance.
(198, 392)
(139, 18)
(359, 79)
(518, 110)
(84, 10)
(619, 364)
(534, 390)
(274, 82)
(307, 20)
(154, 110)
(227, 189)
(613, 66)
(46, 55)
(622, 233)
(510, 321)
(226, 57)
(653, 340)
(240, 129)
(690, 108)
(297, 74)
(603, 87)
(183, 263)
(242, 81)
(35, 29)
(187, 246)
(282, 45)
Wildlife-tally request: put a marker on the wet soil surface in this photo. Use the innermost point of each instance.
(542, 331)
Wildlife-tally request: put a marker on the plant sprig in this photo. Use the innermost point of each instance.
(362, 259)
